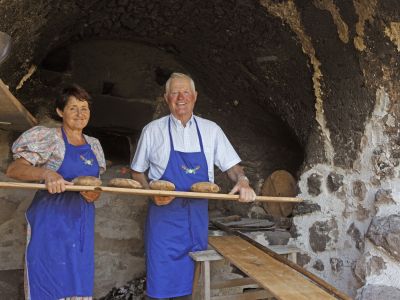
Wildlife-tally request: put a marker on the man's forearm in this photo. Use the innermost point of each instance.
(242, 184)
(236, 173)
(141, 177)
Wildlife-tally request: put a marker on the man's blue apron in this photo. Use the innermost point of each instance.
(174, 230)
(60, 254)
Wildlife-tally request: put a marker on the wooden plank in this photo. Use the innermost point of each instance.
(250, 295)
(284, 249)
(206, 280)
(143, 192)
(195, 287)
(237, 282)
(208, 255)
(277, 278)
(211, 255)
(13, 115)
(312, 277)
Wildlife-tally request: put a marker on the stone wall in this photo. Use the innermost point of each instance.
(349, 224)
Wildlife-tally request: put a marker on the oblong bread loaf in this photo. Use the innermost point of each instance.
(205, 187)
(87, 180)
(162, 185)
(125, 183)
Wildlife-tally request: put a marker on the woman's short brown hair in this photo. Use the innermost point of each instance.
(72, 90)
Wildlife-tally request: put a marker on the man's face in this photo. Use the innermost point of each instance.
(181, 98)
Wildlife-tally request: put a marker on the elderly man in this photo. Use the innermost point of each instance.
(183, 149)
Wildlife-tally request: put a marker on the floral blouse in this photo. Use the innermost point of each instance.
(44, 147)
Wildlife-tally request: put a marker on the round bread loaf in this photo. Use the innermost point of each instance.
(205, 187)
(125, 183)
(87, 180)
(162, 185)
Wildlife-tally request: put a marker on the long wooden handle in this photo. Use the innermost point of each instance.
(143, 192)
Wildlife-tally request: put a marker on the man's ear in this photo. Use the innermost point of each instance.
(166, 97)
(59, 112)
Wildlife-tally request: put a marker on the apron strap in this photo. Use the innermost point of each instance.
(199, 135)
(170, 135)
(64, 136)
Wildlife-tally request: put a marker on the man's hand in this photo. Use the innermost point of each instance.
(246, 193)
(163, 200)
(90, 196)
(54, 182)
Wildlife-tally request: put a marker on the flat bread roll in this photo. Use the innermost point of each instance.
(205, 187)
(87, 180)
(125, 183)
(162, 185)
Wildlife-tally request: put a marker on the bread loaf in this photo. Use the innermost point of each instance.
(87, 180)
(125, 183)
(162, 185)
(205, 187)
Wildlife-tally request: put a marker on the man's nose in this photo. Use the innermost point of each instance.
(180, 95)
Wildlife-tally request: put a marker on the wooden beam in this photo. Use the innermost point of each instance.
(143, 192)
(13, 115)
(277, 278)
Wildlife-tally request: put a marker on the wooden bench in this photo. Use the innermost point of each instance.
(203, 290)
(276, 278)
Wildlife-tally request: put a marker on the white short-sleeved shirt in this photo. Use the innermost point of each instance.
(153, 148)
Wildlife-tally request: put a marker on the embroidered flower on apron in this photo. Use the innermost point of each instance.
(88, 162)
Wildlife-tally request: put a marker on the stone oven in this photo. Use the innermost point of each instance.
(310, 87)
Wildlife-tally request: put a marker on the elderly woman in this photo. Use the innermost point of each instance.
(60, 247)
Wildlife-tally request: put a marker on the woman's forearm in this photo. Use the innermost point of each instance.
(21, 169)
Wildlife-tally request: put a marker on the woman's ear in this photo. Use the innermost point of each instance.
(59, 112)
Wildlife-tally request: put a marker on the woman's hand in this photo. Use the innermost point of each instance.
(54, 182)
(90, 196)
(162, 200)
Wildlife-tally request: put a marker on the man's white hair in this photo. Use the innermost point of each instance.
(179, 75)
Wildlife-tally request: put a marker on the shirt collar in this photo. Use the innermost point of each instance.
(179, 123)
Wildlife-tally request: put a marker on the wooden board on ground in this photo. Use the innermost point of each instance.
(279, 183)
(13, 115)
(277, 278)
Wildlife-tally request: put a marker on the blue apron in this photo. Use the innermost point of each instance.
(60, 253)
(174, 230)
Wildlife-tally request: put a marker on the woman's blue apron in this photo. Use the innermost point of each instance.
(174, 230)
(60, 253)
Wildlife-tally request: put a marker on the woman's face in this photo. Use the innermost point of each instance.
(76, 114)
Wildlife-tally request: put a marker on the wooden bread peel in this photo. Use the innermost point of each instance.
(143, 192)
